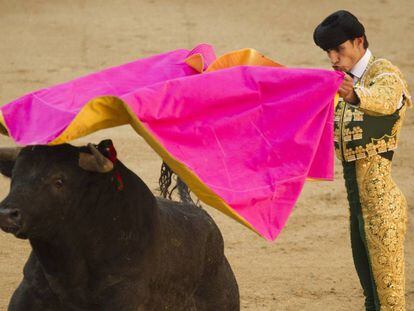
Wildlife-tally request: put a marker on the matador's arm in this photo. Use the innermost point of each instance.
(383, 95)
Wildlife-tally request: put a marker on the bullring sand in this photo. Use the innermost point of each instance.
(309, 267)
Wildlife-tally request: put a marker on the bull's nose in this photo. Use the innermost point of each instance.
(15, 215)
(11, 215)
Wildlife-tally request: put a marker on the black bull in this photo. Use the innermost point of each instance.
(96, 246)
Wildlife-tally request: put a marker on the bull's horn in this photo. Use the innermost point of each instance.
(9, 154)
(95, 162)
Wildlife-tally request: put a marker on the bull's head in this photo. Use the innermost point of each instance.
(46, 181)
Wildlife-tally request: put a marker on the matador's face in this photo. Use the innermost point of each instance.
(346, 55)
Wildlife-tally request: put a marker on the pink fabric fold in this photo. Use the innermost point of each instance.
(250, 134)
(45, 113)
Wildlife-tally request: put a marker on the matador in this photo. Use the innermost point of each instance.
(368, 117)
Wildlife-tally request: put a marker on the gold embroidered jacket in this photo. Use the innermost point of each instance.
(373, 126)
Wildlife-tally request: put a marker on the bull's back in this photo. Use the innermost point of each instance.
(193, 238)
(190, 232)
(187, 222)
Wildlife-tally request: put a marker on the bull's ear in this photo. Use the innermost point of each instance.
(6, 168)
(7, 158)
(95, 162)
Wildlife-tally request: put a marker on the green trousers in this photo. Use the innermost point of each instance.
(358, 240)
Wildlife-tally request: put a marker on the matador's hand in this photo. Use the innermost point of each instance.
(346, 90)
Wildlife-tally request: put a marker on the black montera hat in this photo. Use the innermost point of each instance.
(336, 29)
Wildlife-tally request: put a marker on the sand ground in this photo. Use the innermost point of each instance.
(309, 266)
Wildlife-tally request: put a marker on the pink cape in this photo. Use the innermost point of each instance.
(244, 138)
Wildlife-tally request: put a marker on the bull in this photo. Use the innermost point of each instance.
(102, 241)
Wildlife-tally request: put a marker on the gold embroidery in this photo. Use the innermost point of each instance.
(384, 210)
(382, 88)
(392, 144)
(358, 115)
(370, 149)
(336, 135)
(397, 126)
(340, 112)
(348, 116)
(382, 145)
(347, 134)
(357, 133)
(349, 155)
(351, 134)
(360, 152)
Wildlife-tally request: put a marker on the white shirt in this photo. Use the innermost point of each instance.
(360, 67)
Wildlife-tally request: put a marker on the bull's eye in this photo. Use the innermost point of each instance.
(59, 183)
